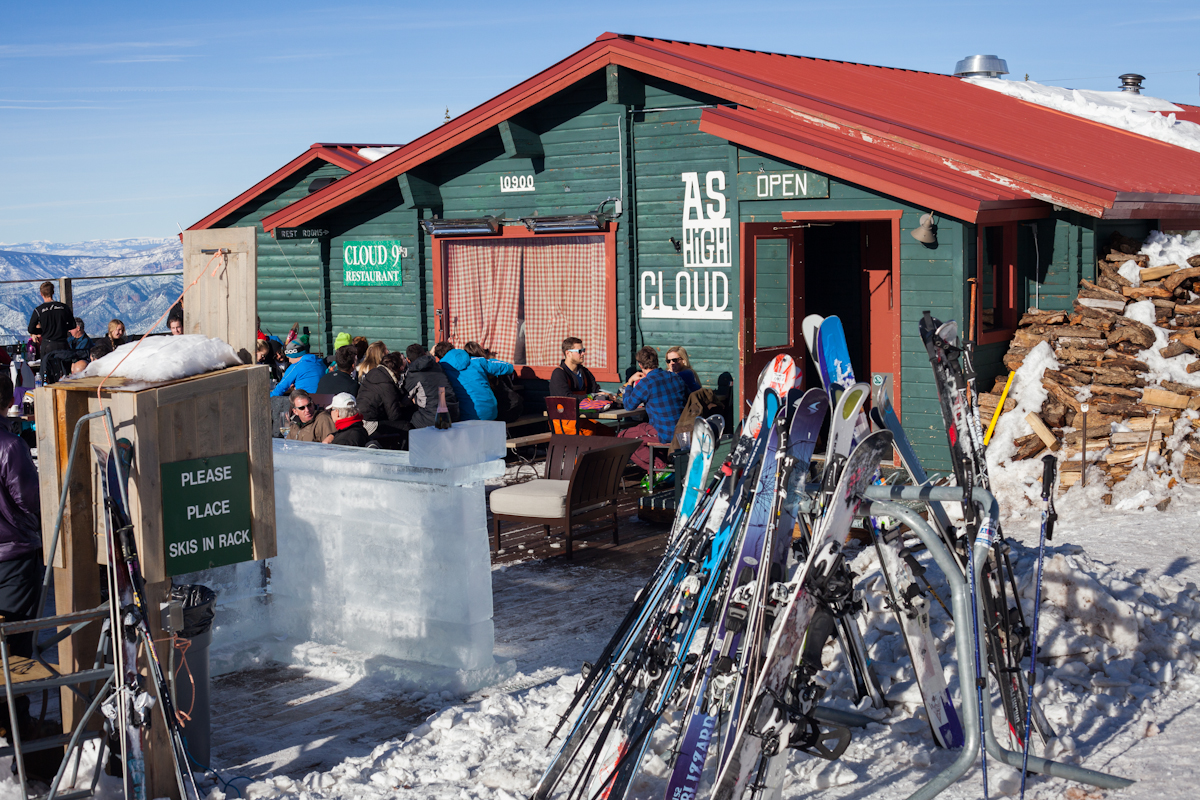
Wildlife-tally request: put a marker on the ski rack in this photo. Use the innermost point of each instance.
(882, 502)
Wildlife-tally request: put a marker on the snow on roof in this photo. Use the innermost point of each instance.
(1137, 113)
(376, 153)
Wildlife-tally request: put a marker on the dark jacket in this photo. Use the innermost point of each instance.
(379, 397)
(352, 435)
(53, 320)
(564, 382)
(82, 344)
(469, 377)
(20, 500)
(421, 383)
(337, 381)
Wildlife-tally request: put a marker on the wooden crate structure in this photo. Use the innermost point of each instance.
(214, 414)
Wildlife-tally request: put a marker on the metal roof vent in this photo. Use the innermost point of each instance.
(1132, 82)
(981, 67)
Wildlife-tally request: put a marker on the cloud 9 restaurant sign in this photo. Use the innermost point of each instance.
(700, 290)
(371, 264)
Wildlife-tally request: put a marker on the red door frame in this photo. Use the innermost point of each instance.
(889, 331)
(441, 300)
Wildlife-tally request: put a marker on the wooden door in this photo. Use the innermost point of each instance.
(772, 300)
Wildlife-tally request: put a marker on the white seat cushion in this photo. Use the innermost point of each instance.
(536, 498)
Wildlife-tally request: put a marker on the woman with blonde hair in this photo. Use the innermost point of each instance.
(374, 357)
(678, 362)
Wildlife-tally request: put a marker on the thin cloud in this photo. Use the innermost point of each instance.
(73, 49)
(57, 108)
(144, 59)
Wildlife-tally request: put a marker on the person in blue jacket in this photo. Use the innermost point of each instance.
(469, 377)
(304, 372)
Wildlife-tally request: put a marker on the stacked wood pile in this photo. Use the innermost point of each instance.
(1101, 350)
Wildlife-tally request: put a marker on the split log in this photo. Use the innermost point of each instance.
(1120, 408)
(1039, 427)
(1114, 376)
(1101, 303)
(1055, 414)
(1154, 273)
(1193, 367)
(1015, 357)
(1142, 292)
(1027, 338)
(1115, 359)
(1187, 321)
(1128, 457)
(1165, 399)
(1119, 258)
(1035, 317)
(1027, 447)
(1194, 261)
(1110, 272)
(1163, 422)
(1089, 289)
(1189, 310)
(1174, 349)
(1097, 440)
(1179, 388)
(1190, 341)
(1172, 282)
(1095, 420)
(1191, 470)
(1116, 391)
(1077, 376)
(1093, 317)
(1135, 437)
(1140, 336)
(1106, 281)
(1062, 395)
(1164, 305)
(1072, 355)
(1073, 332)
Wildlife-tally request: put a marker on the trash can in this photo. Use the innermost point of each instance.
(191, 695)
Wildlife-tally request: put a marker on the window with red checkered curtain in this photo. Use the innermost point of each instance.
(521, 297)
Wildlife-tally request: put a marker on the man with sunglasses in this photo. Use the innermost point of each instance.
(311, 423)
(572, 377)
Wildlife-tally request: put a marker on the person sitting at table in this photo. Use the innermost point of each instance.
(469, 377)
(309, 422)
(663, 394)
(572, 378)
(678, 362)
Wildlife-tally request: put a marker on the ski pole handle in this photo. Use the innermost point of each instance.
(1049, 464)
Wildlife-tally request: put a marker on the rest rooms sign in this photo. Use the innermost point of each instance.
(371, 264)
(206, 513)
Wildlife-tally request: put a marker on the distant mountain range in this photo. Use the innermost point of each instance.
(137, 301)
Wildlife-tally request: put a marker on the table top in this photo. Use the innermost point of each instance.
(612, 413)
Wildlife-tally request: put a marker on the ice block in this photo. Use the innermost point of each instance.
(468, 442)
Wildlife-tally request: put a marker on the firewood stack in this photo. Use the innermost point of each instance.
(1105, 352)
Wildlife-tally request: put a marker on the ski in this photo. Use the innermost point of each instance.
(704, 442)
(784, 694)
(130, 585)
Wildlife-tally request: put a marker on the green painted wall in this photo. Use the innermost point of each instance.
(292, 279)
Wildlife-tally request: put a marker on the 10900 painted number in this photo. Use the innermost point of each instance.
(516, 183)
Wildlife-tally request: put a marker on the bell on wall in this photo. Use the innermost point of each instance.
(926, 232)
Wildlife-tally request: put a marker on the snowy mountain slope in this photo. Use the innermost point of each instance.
(137, 301)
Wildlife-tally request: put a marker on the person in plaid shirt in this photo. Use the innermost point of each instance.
(663, 394)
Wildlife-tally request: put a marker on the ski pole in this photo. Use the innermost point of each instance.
(979, 680)
(1048, 518)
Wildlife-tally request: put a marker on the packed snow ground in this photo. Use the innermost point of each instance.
(1119, 628)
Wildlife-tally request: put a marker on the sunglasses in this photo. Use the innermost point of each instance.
(580, 350)
(674, 360)
(305, 407)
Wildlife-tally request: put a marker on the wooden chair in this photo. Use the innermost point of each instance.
(563, 413)
(582, 482)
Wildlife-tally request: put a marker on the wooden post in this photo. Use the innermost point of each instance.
(1083, 410)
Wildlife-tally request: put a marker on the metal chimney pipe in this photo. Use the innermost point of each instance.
(1132, 82)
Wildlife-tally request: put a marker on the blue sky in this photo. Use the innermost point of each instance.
(126, 119)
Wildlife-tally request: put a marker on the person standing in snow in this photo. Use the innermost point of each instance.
(51, 322)
(347, 420)
(343, 378)
(421, 383)
(469, 377)
(304, 373)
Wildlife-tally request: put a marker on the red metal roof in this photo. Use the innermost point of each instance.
(931, 139)
(341, 155)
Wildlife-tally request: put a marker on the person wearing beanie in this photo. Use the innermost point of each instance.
(304, 372)
(340, 341)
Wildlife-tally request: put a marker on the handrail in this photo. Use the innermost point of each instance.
(99, 277)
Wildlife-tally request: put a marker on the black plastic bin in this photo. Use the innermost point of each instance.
(192, 696)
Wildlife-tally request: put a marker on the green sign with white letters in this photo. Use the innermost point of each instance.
(372, 264)
(206, 513)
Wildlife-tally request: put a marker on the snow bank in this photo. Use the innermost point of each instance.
(1136, 113)
(164, 358)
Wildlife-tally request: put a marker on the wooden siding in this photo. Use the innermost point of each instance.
(292, 279)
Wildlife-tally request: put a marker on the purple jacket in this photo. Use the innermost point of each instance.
(20, 501)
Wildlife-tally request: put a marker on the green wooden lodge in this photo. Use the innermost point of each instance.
(646, 191)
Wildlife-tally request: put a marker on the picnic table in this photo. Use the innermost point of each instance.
(618, 414)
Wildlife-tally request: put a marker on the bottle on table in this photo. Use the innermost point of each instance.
(442, 420)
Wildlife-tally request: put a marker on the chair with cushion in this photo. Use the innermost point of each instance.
(582, 482)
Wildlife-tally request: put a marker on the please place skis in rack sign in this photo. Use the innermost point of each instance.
(206, 513)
